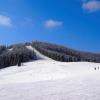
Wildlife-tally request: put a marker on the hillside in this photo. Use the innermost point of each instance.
(65, 54)
(50, 80)
(13, 54)
(43, 78)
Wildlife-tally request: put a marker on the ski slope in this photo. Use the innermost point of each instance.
(46, 79)
(38, 54)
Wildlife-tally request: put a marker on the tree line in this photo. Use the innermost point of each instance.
(11, 57)
(66, 54)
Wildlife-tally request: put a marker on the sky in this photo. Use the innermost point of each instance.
(71, 23)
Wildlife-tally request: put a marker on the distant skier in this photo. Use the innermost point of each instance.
(94, 68)
(98, 67)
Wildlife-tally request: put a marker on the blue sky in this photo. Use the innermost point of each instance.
(72, 23)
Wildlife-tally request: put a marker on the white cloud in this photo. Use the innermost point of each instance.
(53, 23)
(91, 5)
(5, 21)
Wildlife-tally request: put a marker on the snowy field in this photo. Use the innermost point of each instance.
(50, 80)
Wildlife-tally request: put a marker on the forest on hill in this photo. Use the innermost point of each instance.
(11, 55)
(61, 53)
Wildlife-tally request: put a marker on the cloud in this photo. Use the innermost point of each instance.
(5, 21)
(91, 5)
(53, 24)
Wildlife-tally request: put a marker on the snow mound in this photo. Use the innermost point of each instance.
(42, 70)
(50, 80)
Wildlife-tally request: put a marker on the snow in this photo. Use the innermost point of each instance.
(50, 80)
(38, 54)
(44, 70)
(46, 79)
(10, 49)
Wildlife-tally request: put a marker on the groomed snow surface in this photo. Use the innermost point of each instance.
(50, 80)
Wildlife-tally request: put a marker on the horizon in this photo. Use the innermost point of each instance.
(72, 23)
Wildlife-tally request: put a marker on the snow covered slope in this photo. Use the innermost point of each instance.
(38, 54)
(50, 80)
(46, 79)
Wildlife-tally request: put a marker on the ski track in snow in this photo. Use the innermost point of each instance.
(38, 54)
(50, 80)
